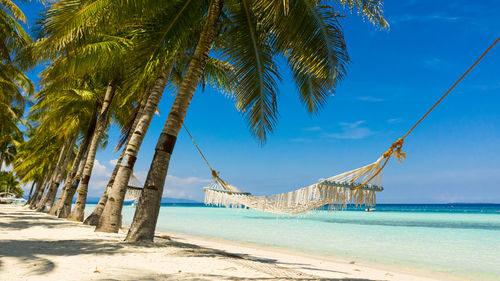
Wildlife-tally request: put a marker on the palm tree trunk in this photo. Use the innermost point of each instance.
(146, 214)
(110, 219)
(69, 178)
(57, 168)
(65, 208)
(49, 197)
(40, 188)
(31, 191)
(93, 218)
(81, 199)
(71, 185)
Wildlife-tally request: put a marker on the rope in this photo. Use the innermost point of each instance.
(215, 175)
(396, 147)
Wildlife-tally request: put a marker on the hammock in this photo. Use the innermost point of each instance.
(133, 189)
(335, 192)
(133, 193)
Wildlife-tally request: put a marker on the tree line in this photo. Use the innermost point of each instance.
(109, 62)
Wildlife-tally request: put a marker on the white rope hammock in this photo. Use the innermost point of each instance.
(132, 193)
(133, 189)
(336, 192)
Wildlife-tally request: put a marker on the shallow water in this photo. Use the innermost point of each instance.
(458, 240)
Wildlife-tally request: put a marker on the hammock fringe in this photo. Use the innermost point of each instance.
(336, 192)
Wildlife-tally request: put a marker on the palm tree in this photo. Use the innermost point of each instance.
(65, 155)
(256, 33)
(13, 82)
(62, 207)
(93, 55)
(159, 34)
(9, 184)
(34, 160)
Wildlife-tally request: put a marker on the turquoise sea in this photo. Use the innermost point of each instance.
(461, 240)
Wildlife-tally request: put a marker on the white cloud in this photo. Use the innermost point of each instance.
(186, 188)
(352, 130)
(175, 187)
(100, 169)
(113, 162)
(99, 179)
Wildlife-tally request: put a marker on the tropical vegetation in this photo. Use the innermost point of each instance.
(109, 62)
(10, 185)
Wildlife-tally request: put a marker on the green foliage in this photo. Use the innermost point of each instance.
(87, 43)
(9, 184)
(14, 84)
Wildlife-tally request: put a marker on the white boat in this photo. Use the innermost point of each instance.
(369, 209)
(10, 198)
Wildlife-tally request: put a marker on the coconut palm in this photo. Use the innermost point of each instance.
(34, 160)
(13, 83)
(91, 55)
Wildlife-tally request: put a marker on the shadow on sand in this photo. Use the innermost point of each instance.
(35, 254)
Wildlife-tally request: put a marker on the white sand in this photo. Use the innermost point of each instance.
(36, 246)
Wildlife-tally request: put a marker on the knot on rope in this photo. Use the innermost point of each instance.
(216, 177)
(395, 149)
(215, 174)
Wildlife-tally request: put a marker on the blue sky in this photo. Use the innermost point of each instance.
(394, 77)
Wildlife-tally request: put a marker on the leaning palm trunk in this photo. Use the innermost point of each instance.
(65, 207)
(110, 219)
(93, 218)
(146, 214)
(70, 178)
(43, 195)
(35, 183)
(70, 186)
(81, 200)
(49, 197)
(40, 188)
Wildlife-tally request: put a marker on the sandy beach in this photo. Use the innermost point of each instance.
(36, 246)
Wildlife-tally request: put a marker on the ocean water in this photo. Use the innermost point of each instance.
(457, 240)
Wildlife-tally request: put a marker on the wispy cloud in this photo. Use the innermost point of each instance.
(486, 87)
(113, 162)
(435, 62)
(424, 18)
(186, 188)
(474, 176)
(313, 129)
(395, 120)
(352, 130)
(369, 98)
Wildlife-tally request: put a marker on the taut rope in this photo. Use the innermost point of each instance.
(215, 175)
(398, 145)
